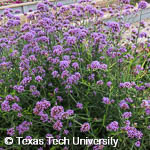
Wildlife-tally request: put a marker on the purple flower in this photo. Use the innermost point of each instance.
(11, 131)
(129, 100)
(106, 100)
(29, 36)
(58, 125)
(19, 114)
(126, 115)
(91, 77)
(134, 133)
(23, 127)
(113, 126)
(59, 4)
(56, 90)
(73, 79)
(138, 144)
(16, 107)
(33, 88)
(98, 147)
(115, 27)
(36, 93)
(59, 98)
(26, 80)
(32, 58)
(71, 40)
(126, 85)
(44, 117)
(95, 65)
(109, 83)
(9, 98)
(38, 79)
(147, 85)
(85, 127)
(63, 115)
(56, 112)
(41, 106)
(64, 64)
(147, 111)
(55, 74)
(145, 104)
(58, 50)
(5, 106)
(70, 112)
(19, 88)
(123, 104)
(75, 65)
(148, 127)
(79, 105)
(28, 137)
(100, 82)
(142, 4)
(42, 7)
(64, 74)
(66, 132)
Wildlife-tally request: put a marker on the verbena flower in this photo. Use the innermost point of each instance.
(138, 144)
(126, 115)
(142, 4)
(23, 127)
(113, 126)
(85, 127)
(10, 131)
(58, 125)
(79, 105)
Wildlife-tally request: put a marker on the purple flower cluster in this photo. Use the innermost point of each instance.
(97, 65)
(124, 105)
(106, 100)
(85, 127)
(64, 64)
(126, 85)
(58, 113)
(113, 126)
(6, 106)
(79, 105)
(126, 115)
(142, 4)
(73, 79)
(19, 88)
(26, 81)
(146, 104)
(11, 131)
(41, 106)
(114, 26)
(55, 67)
(132, 132)
(23, 127)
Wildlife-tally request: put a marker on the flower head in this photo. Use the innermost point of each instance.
(142, 5)
(85, 127)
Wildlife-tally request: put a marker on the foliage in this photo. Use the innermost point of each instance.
(69, 73)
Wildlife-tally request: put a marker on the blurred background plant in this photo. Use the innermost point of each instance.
(136, 1)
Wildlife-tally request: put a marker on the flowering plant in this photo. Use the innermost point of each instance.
(8, 2)
(70, 73)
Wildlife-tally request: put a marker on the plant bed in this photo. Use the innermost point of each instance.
(26, 7)
(63, 77)
(10, 2)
